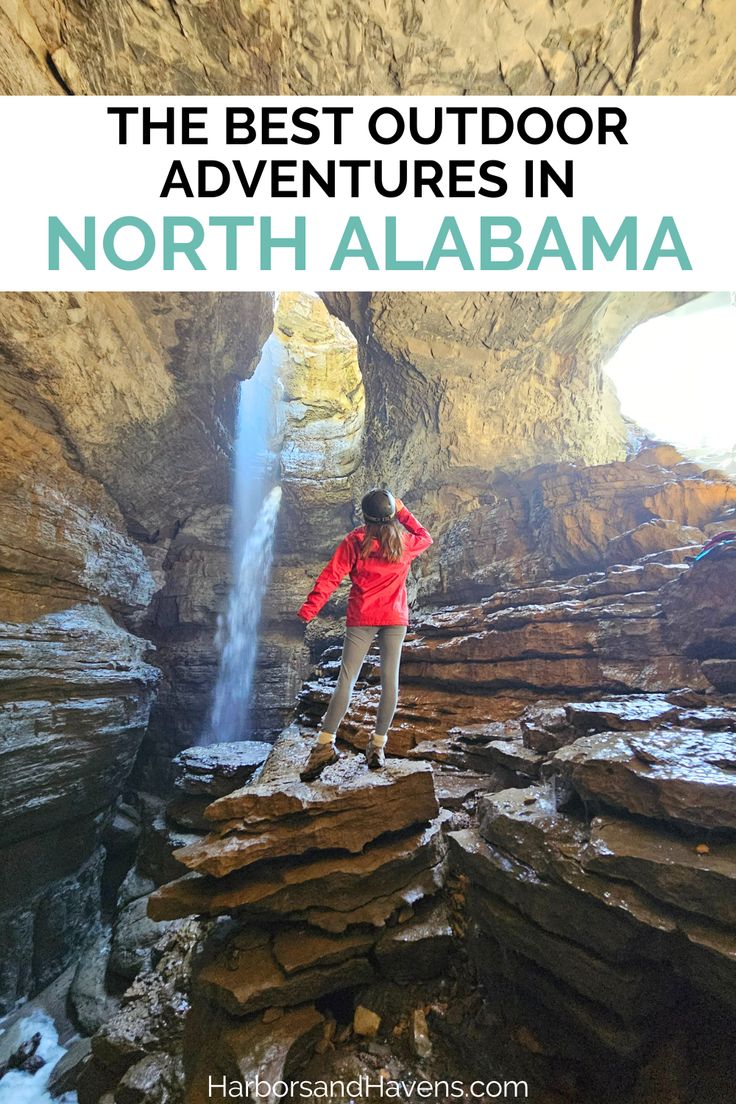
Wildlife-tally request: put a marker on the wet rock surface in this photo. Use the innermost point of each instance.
(218, 769)
(577, 848)
(685, 775)
(345, 895)
(611, 925)
(701, 880)
(142, 1043)
(280, 816)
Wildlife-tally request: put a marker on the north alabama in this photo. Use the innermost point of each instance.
(392, 244)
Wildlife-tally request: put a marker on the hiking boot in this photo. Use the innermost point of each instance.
(321, 756)
(375, 756)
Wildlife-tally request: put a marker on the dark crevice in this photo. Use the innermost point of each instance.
(58, 77)
(635, 37)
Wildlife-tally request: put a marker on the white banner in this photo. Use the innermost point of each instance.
(365, 193)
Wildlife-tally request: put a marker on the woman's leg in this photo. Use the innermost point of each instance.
(358, 639)
(390, 639)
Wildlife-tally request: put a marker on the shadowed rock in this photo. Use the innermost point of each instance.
(701, 616)
(588, 910)
(332, 891)
(248, 977)
(667, 866)
(218, 1046)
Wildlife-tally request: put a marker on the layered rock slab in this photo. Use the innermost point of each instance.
(249, 977)
(332, 891)
(76, 692)
(683, 775)
(316, 908)
(75, 696)
(589, 636)
(666, 866)
(281, 816)
(587, 884)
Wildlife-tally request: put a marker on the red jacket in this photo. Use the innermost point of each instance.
(378, 593)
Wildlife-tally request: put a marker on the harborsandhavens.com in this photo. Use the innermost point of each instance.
(226, 1088)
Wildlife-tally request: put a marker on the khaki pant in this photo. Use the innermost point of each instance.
(358, 639)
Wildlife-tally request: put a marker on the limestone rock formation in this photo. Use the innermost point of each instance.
(117, 414)
(312, 49)
(684, 777)
(116, 433)
(140, 1049)
(464, 379)
(556, 520)
(278, 816)
(575, 917)
(602, 632)
(666, 865)
(324, 416)
(133, 385)
(329, 886)
(701, 619)
(76, 693)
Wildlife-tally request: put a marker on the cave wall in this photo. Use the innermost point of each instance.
(116, 417)
(574, 47)
(117, 454)
(489, 382)
(469, 400)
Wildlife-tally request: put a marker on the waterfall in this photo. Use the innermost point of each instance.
(256, 501)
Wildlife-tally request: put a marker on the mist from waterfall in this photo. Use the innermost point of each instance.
(256, 500)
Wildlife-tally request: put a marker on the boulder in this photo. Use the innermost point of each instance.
(155, 1079)
(218, 769)
(366, 1022)
(685, 775)
(525, 825)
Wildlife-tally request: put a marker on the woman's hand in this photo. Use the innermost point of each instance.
(399, 504)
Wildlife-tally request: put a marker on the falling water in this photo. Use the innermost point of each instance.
(256, 501)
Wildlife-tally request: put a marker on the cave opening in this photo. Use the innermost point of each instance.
(675, 375)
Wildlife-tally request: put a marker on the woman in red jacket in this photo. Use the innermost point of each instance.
(376, 556)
